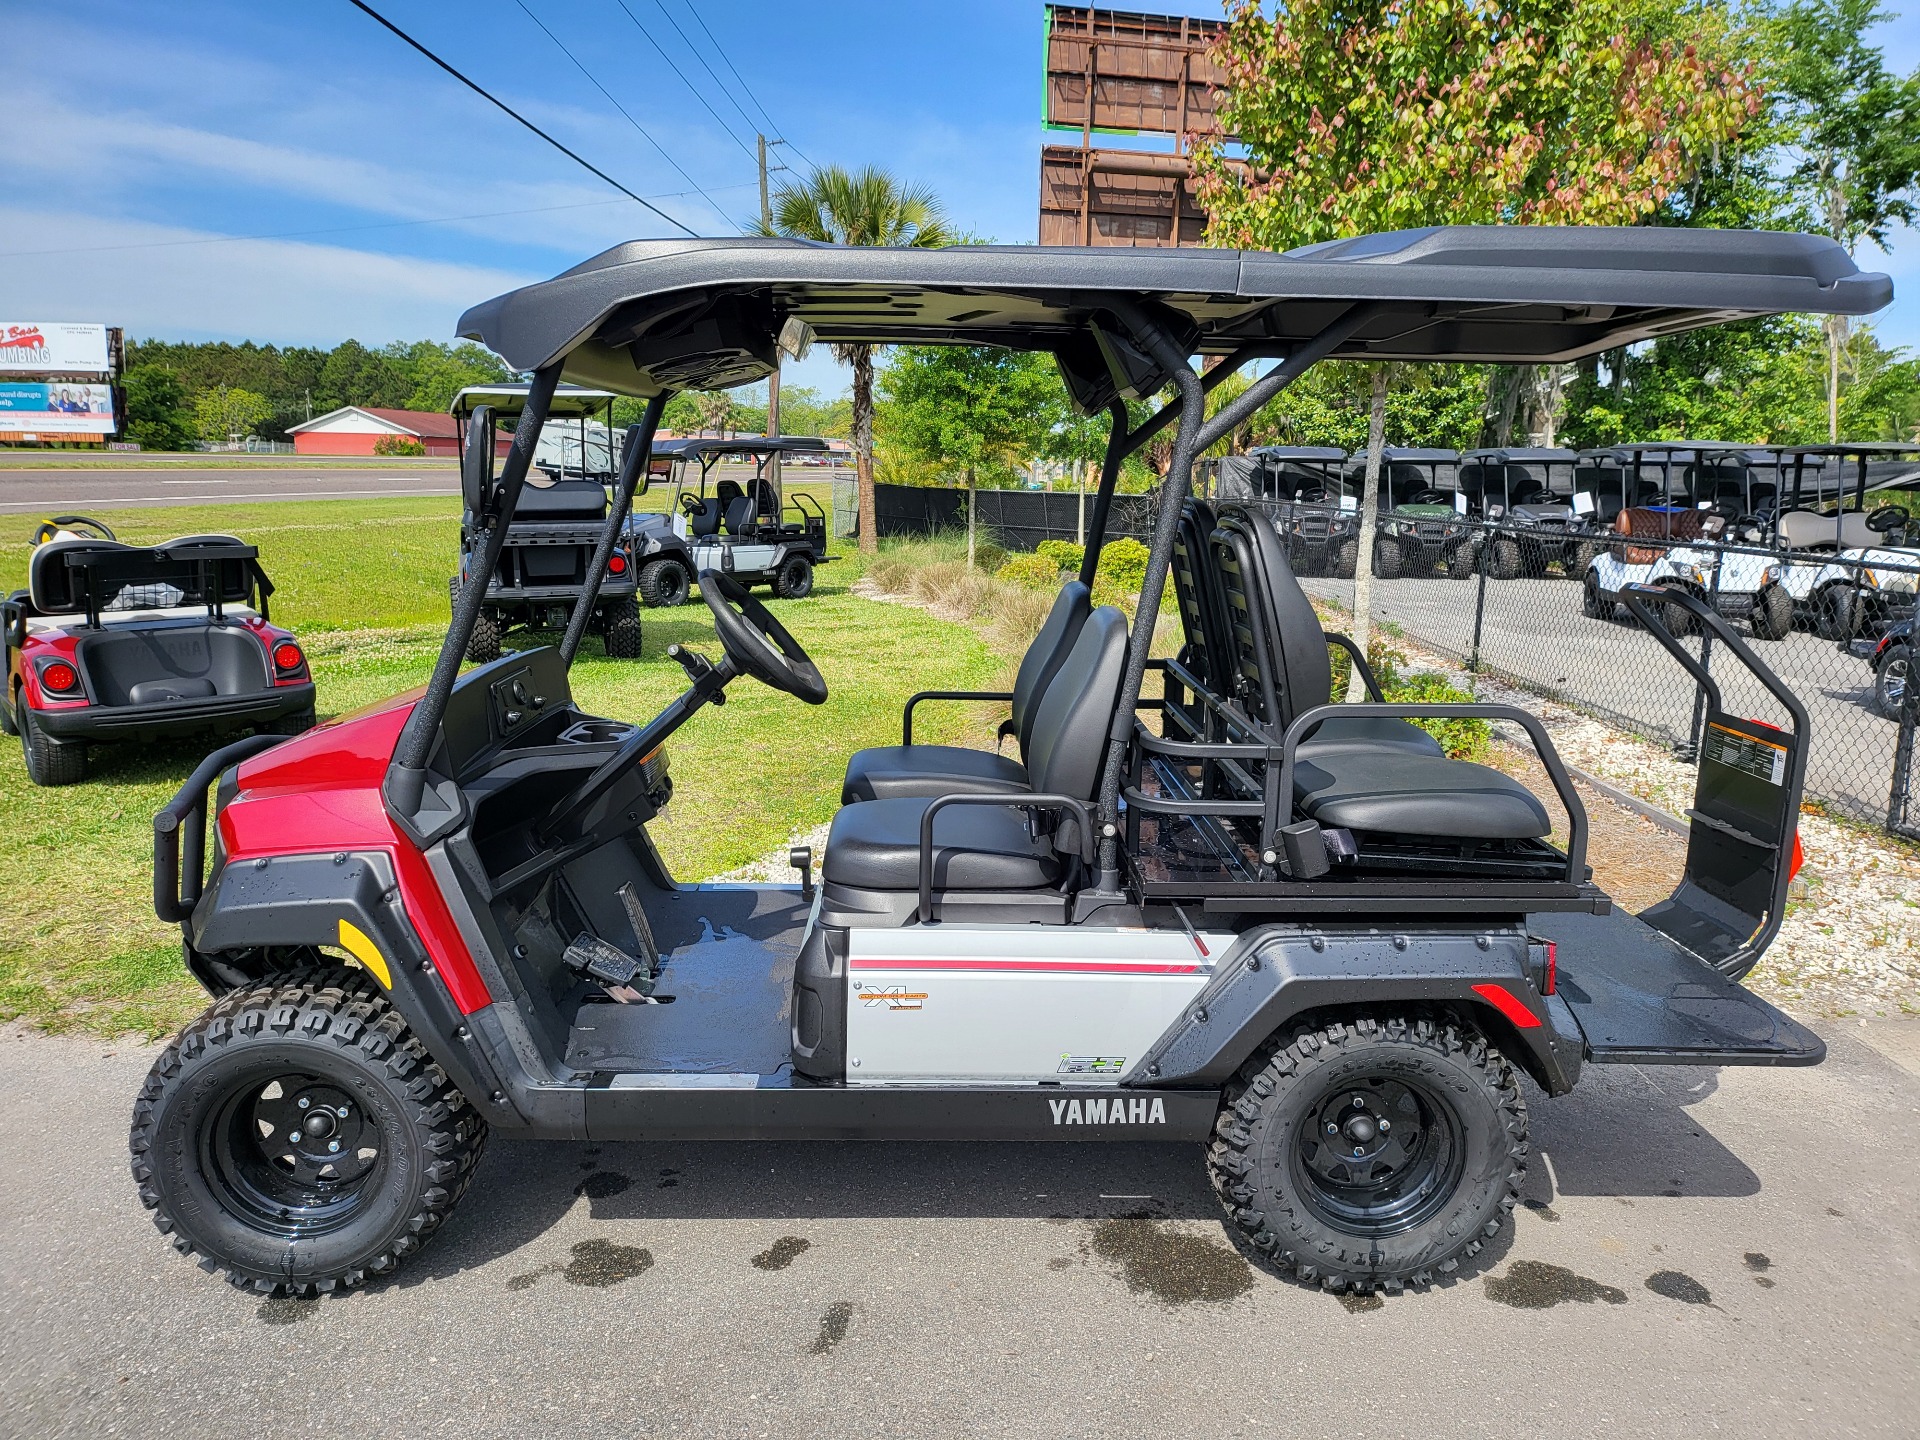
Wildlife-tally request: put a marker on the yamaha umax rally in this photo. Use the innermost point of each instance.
(1194, 901)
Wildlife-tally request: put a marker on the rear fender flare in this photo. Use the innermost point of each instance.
(346, 902)
(1276, 976)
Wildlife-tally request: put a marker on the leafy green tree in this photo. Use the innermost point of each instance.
(1850, 135)
(158, 415)
(437, 372)
(223, 414)
(970, 408)
(862, 207)
(1364, 117)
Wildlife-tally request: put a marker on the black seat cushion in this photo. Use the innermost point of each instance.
(1393, 790)
(156, 692)
(876, 846)
(892, 772)
(562, 500)
(1345, 733)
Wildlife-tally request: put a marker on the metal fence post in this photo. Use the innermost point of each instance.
(1481, 559)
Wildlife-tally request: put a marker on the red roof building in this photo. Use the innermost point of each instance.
(355, 430)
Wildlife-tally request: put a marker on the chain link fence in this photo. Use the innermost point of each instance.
(1539, 610)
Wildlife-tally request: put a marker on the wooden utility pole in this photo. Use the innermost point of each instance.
(773, 380)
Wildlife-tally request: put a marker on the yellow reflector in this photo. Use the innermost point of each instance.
(356, 944)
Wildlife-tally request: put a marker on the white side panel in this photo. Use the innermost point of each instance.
(1015, 1002)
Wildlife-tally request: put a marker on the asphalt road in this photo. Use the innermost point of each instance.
(1534, 629)
(1704, 1252)
(67, 491)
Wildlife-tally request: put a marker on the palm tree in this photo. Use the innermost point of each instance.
(863, 207)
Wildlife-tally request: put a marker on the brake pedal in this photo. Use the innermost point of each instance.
(642, 930)
(605, 964)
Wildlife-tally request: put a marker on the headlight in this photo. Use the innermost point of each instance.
(1769, 576)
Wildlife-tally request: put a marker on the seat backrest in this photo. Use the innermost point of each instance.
(562, 500)
(1045, 655)
(1854, 534)
(1640, 523)
(1208, 650)
(1282, 649)
(1075, 714)
(52, 589)
(739, 516)
(706, 521)
(1802, 529)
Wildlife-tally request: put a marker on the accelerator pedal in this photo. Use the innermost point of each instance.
(593, 958)
(642, 931)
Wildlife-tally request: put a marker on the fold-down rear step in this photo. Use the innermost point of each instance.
(1643, 999)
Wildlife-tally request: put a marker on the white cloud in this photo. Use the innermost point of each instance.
(283, 291)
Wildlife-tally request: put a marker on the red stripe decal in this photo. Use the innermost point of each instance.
(1093, 967)
(1509, 1005)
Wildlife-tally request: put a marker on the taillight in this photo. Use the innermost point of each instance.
(60, 676)
(616, 564)
(1553, 968)
(287, 657)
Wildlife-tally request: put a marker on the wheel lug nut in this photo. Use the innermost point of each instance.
(304, 1102)
(1385, 1125)
(294, 1136)
(1332, 1129)
(342, 1112)
(333, 1145)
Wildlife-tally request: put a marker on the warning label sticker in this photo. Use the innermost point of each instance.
(1092, 1064)
(1762, 759)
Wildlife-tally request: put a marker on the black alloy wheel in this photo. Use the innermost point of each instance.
(291, 1152)
(1380, 1156)
(1891, 676)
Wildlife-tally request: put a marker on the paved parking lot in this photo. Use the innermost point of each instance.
(1534, 629)
(1703, 1252)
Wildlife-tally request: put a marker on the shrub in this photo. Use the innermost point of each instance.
(1064, 553)
(1040, 572)
(1461, 739)
(1123, 563)
(398, 445)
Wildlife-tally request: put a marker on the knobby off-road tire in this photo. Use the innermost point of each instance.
(218, 1191)
(623, 630)
(1772, 617)
(1505, 562)
(1891, 677)
(664, 584)
(1346, 560)
(794, 580)
(1592, 604)
(1461, 1170)
(1388, 560)
(1837, 612)
(1463, 562)
(49, 761)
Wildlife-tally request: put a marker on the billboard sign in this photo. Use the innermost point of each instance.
(56, 409)
(39, 347)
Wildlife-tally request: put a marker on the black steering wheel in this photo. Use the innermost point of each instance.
(1429, 496)
(78, 524)
(690, 503)
(758, 644)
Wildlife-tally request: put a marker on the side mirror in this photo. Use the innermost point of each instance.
(476, 462)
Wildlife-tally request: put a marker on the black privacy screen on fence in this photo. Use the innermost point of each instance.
(1016, 519)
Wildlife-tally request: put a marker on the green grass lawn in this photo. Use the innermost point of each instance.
(364, 582)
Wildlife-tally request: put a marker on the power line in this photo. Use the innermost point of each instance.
(501, 104)
(727, 61)
(691, 88)
(752, 125)
(618, 106)
(343, 229)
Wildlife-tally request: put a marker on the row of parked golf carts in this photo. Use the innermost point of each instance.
(112, 641)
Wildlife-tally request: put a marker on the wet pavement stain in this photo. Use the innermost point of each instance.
(1174, 1267)
(1361, 1304)
(1542, 1209)
(1838, 1215)
(1763, 1282)
(1674, 1285)
(1535, 1285)
(833, 1327)
(668, 1179)
(782, 1253)
(596, 1264)
(1755, 1260)
(602, 1184)
(284, 1310)
(1060, 1262)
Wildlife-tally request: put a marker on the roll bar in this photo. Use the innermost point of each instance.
(638, 451)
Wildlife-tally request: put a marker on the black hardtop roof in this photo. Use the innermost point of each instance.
(695, 446)
(675, 314)
(1514, 453)
(1299, 452)
(1410, 452)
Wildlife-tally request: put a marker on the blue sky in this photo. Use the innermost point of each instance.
(146, 146)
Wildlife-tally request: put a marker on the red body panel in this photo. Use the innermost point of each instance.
(24, 674)
(321, 792)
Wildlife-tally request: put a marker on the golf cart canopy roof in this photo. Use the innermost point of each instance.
(654, 315)
(1515, 454)
(697, 448)
(1300, 452)
(507, 401)
(1402, 452)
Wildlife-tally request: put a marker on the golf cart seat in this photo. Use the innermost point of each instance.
(739, 517)
(892, 772)
(51, 587)
(706, 520)
(1375, 775)
(876, 845)
(577, 500)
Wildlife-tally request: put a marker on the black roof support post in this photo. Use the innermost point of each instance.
(1117, 451)
(1196, 432)
(633, 464)
(407, 776)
